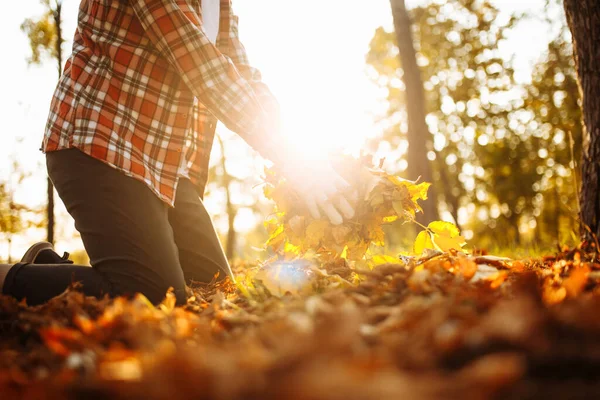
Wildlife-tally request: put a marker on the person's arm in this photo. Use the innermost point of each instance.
(317, 183)
(211, 76)
(220, 86)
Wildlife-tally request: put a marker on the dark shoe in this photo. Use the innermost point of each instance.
(43, 253)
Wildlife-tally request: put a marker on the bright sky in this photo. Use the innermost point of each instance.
(311, 53)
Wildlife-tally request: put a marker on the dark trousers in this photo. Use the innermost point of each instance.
(136, 243)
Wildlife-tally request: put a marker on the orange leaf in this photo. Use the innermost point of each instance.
(554, 295)
(468, 268)
(85, 324)
(576, 282)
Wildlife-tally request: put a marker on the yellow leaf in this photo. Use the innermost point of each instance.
(383, 259)
(422, 242)
(268, 191)
(168, 304)
(444, 228)
(446, 236)
(356, 251)
(344, 254)
(446, 243)
(398, 207)
(277, 238)
(242, 288)
(290, 251)
(419, 192)
(340, 234)
(376, 234)
(315, 232)
(390, 219)
(297, 225)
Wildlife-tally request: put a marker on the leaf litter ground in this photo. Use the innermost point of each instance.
(444, 326)
(327, 318)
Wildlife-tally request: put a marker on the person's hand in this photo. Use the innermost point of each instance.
(316, 182)
(321, 188)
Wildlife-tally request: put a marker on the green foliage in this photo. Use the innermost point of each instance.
(553, 99)
(10, 221)
(462, 72)
(14, 216)
(44, 33)
(42, 37)
(500, 149)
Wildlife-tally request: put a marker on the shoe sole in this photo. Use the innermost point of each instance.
(33, 251)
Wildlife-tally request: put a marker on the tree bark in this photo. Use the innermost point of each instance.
(583, 17)
(59, 37)
(57, 14)
(230, 208)
(10, 248)
(451, 201)
(418, 133)
(50, 212)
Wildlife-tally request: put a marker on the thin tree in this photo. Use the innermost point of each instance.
(231, 209)
(419, 136)
(583, 17)
(46, 39)
(456, 66)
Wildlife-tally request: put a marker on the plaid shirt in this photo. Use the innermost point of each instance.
(144, 87)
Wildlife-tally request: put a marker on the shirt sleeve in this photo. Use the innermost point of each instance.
(224, 88)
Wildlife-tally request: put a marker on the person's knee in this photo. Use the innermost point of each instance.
(155, 292)
(205, 271)
(221, 269)
(154, 286)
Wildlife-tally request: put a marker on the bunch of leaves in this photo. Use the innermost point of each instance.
(382, 199)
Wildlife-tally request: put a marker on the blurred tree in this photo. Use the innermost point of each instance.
(554, 101)
(231, 181)
(583, 17)
(418, 136)
(14, 217)
(45, 40)
(11, 221)
(469, 97)
(230, 209)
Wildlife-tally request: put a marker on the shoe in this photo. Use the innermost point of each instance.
(43, 253)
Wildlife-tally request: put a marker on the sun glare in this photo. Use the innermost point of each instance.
(319, 74)
(332, 124)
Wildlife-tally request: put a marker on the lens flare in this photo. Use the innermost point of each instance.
(282, 277)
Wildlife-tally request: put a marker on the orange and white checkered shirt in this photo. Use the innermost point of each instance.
(144, 87)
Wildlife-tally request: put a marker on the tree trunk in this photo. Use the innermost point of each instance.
(230, 208)
(451, 201)
(50, 212)
(231, 233)
(418, 133)
(59, 36)
(10, 248)
(57, 14)
(583, 17)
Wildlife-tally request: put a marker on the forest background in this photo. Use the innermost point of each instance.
(502, 111)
